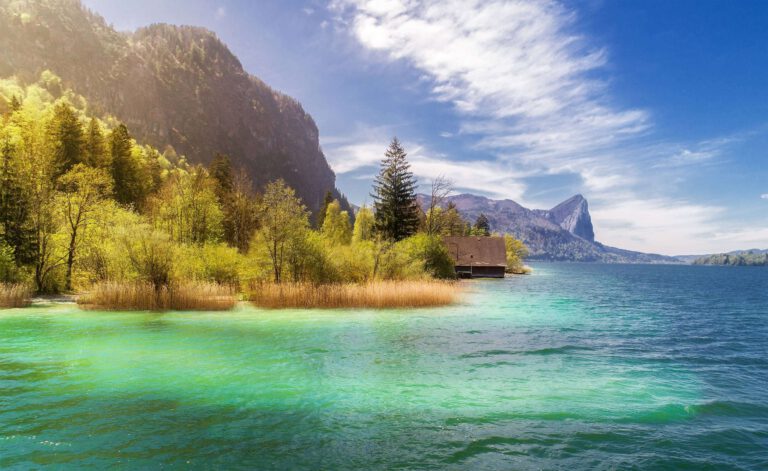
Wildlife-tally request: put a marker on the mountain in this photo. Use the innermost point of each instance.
(754, 258)
(176, 86)
(564, 232)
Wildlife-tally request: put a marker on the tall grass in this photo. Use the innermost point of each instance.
(379, 294)
(192, 296)
(14, 295)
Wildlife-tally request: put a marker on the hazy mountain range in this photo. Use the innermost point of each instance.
(171, 85)
(563, 233)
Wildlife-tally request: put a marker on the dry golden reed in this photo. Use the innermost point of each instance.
(192, 296)
(377, 295)
(15, 295)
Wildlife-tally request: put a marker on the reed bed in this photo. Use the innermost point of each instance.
(192, 296)
(15, 295)
(376, 295)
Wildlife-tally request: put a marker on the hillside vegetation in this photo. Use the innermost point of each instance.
(176, 86)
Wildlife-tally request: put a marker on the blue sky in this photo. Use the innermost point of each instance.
(656, 111)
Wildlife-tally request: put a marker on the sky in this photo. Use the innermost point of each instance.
(655, 111)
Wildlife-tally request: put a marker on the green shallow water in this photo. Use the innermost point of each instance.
(577, 366)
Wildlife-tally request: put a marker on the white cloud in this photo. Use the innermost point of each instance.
(221, 12)
(527, 87)
(764, 196)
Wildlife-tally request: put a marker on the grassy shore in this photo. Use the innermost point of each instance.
(377, 295)
(193, 296)
(14, 295)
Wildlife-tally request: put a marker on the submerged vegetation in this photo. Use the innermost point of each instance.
(84, 208)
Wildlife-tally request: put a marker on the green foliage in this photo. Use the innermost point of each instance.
(187, 209)
(394, 194)
(131, 180)
(482, 227)
(284, 222)
(209, 262)
(516, 254)
(95, 151)
(432, 253)
(327, 199)
(9, 271)
(364, 225)
(336, 227)
(66, 137)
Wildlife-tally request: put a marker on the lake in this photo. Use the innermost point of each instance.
(577, 366)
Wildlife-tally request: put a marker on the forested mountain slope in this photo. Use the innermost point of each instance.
(171, 85)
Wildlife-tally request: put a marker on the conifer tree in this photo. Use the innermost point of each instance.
(482, 226)
(14, 208)
(394, 195)
(327, 199)
(95, 146)
(66, 134)
(221, 170)
(15, 104)
(125, 169)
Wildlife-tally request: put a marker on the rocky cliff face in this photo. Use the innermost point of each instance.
(573, 216)
(563, 233)
(172, 85)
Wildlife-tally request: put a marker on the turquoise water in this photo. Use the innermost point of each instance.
(574, 367)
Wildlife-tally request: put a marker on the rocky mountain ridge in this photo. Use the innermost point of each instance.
(563, 233)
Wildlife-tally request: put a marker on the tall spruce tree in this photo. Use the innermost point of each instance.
(327, 199)
(394, 195)
(126, 171)
(66, 134)
(221, 170)
(14, 208)
(482, 226)
(96, 154)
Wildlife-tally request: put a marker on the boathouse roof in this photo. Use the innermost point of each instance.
(477, 251)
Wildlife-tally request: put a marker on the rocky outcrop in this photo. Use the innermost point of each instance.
(563, 233)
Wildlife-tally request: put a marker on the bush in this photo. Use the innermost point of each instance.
(210, 262)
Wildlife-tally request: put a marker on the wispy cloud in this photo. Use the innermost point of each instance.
(530, 92)
(362, 152)
(221, 12)
(764, 196)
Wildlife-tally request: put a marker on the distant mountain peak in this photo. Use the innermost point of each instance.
(573, 216)
(564, 232)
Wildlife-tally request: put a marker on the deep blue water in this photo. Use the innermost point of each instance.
(577, 366)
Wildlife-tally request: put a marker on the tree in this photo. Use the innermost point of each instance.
(82, 189)
(126, 169)
(68, 141)
(283, 220)
(397, 213)
(241, 213)
(516, 253)
(452, 222)
(187, 209)
(440, 188)
(364, 225)
(327, 199)
(336, 227)
(14, 205)
(221, 171)
(482, 226)
(95, 154)
(15, 104)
